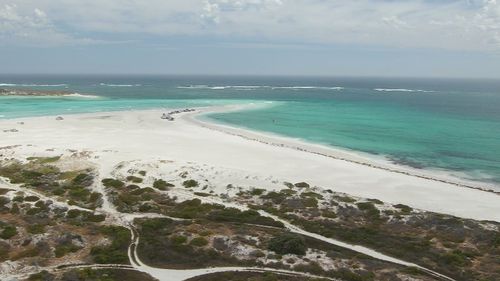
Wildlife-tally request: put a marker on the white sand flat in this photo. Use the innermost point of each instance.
(131, 135)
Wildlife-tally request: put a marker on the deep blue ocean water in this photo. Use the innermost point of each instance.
(451, 125)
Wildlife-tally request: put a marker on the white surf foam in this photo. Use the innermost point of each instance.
(401, 90)
(251, 87)
(76, 95)
(120, 85)
(309, 88)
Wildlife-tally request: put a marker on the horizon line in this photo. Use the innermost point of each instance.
(254, 75)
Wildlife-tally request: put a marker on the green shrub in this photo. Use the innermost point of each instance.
(288, 243)
(190, 183)
(457, 258)
(199, 242)
(73, 213)
(94, 196)
(31, 198)
(134, 179)
(42, 276)
(36, 228)
(142, 173)
(62, 250)
(14, 209)
(83, 179)
(116, 253)
(311, 194)
(275, 197)
(257, 191)
(376, 201)
(58, 191)
(202, 194)
(345, 199)
(34, 211)
(162, 185)
(96, 218)
(44, 160)
(4, 200)
(178, 239)
(328, 214)
(248, 216)
(8, 232)
(113, 183)
(369, 209)
(302, 185)
(79, 193)
(310, 202)
(403, 208)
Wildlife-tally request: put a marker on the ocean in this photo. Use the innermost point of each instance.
(448, 125)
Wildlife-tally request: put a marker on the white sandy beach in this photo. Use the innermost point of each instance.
(114, 137)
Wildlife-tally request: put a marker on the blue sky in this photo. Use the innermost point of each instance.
(441, 38)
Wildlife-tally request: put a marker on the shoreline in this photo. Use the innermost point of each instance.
(337, 153)
(197, 117)
(140, 135)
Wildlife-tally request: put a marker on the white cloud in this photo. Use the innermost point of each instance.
(211, 12)
(460, 24)
(31, 27)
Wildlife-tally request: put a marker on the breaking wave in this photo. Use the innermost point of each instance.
(258, 87)
(120, 85)
(76, 95)
(401, 90)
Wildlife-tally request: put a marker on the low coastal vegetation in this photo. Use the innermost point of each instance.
(89, 274)
(37, 230)
(202, 243)
(133, 198)
(461, 248)
(47, 234)
(190, 183)
(162, 185)
(253, 276)
(53, 220)
(288, 243)
(42, 175)
(116, 251)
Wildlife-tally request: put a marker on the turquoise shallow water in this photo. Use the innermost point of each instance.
(451, 125)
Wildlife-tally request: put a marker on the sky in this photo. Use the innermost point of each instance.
(408, 38)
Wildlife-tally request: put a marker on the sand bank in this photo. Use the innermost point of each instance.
(133, 135)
